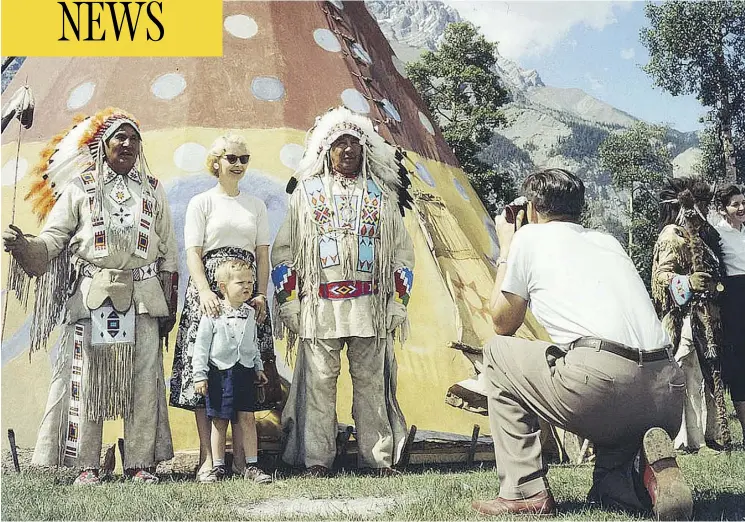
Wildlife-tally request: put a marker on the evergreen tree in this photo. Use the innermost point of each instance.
(698, 47)
(460, 87)
(638, 160)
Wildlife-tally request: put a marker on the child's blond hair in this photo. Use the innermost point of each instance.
(225, 269)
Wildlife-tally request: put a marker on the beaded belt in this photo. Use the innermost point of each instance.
(138, 274)
(346, 289)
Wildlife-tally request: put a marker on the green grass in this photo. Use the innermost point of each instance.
(423, 494)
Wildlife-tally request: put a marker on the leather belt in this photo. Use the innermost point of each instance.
(138, 274)
(622, 350)
(346, 289)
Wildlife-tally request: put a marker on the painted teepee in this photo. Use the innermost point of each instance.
(284, 64)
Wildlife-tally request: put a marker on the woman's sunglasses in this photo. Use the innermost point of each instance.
(232, 158)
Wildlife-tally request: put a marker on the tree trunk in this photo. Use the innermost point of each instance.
(725, 114)
(728, 147)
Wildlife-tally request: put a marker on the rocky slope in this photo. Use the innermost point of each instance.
(548, 126)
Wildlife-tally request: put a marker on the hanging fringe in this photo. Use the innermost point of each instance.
(19, 282)
(109, 381)
(280, 330)
(670, 240)
(304, 235)
(403, 331)
(49, 300)
(122, 239)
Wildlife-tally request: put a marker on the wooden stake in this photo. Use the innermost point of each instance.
(472, 447)
(120, 443)
(342, 439)
(406, 453)
(14, 450)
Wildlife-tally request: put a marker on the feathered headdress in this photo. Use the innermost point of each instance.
(72, 152)
(379, 158)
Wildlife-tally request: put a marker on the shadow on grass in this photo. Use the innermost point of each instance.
(724, 506)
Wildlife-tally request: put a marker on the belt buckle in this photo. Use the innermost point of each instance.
(597, 344)
(641, 358)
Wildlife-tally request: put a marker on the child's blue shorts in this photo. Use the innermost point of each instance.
(230, 391)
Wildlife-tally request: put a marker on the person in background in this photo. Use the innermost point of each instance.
(730, 202)
(685, 271)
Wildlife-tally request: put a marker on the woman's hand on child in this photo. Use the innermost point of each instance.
(200, 388)
(259, 304)
(261, 378)
(209, 303)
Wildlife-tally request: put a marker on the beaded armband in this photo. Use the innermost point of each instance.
(404, 280)
(284, 278)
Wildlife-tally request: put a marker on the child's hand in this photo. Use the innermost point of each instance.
(261, 378)
(200, 388)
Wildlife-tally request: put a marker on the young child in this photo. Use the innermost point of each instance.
(227, 364)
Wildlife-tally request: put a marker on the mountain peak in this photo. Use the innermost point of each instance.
(413, 23)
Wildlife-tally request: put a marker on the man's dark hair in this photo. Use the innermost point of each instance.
(674, 189)
(556, 193)
(724, 194)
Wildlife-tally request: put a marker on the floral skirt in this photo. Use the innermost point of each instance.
(182, 377)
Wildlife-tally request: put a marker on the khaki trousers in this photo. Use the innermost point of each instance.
(147, 433)
(322, 366)
(598, 395)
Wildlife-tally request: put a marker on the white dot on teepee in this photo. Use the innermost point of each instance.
(241, 26)
(267, 88)
(426, 123)
(355, 101)
(168, 86)
(190, 157)
(461, 189)
(327, 40)
(424, 174)
(361, 54)
(81, 95)
(290, 155)
(8, 176)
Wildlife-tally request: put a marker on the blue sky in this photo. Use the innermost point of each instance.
(590, 45)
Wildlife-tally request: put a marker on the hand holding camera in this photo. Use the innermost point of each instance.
(512, 211)
(512, 217)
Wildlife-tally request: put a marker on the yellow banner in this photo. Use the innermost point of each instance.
(121, 28)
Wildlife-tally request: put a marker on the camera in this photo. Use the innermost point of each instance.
(513, 209)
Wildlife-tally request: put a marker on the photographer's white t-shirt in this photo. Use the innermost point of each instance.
(579, 283)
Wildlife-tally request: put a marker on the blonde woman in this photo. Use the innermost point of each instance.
(221, 223)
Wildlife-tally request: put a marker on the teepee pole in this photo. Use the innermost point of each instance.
(13, 212)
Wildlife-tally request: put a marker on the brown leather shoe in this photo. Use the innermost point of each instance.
(540, 504)
(670, 494)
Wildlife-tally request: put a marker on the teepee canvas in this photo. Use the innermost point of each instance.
(284, 64)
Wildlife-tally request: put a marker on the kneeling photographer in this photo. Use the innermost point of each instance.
(607, 377)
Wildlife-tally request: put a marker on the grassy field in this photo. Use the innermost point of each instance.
(420, 494)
